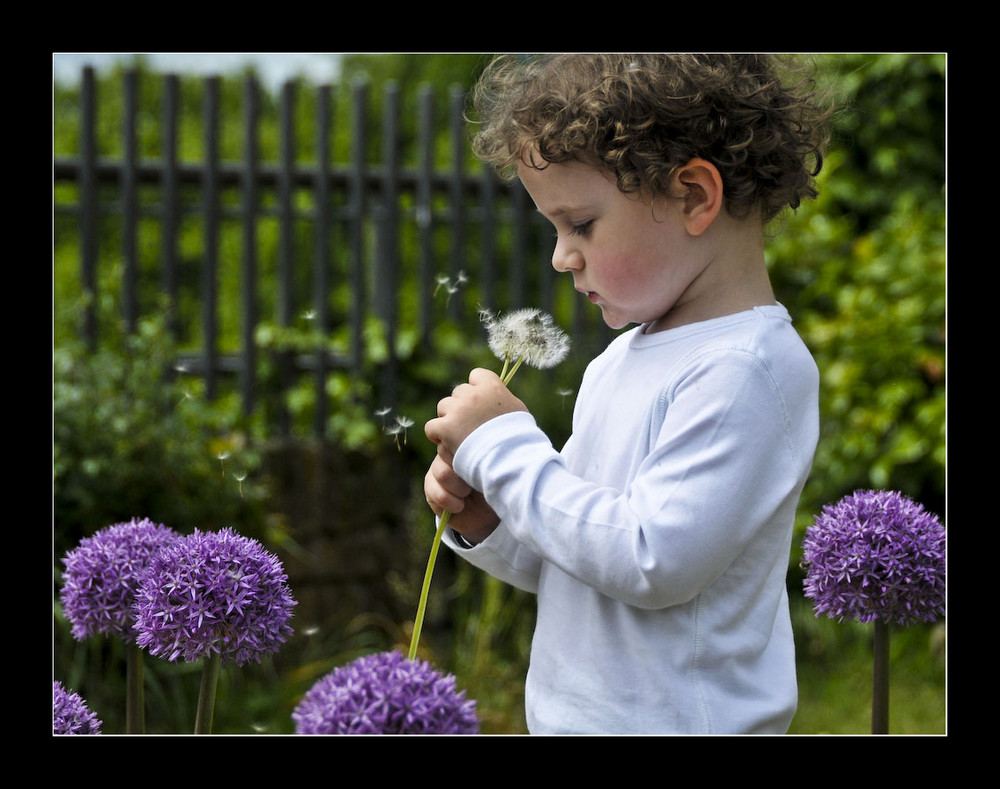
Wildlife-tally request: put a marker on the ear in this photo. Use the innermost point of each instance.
(701, 185)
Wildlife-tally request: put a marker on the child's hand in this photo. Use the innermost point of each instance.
(471, 516)
(470, 406)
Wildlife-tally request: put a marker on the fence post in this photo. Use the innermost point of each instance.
(457, 97)
(425, 210)
(130, 216)
(286, 248)
(386, 282)
(170, 218)
(356, 213)
(321, 278)
(249, 284)
(88, 203)
(210, 213)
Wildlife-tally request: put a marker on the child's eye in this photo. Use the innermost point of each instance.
(582, 229)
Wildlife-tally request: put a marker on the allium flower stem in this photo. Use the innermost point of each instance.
(880, 679)
(135, 707)
(876, 556)
(206, 696)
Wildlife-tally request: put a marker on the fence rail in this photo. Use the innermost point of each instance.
(378, 232)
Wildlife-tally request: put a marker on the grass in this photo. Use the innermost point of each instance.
(835, 677)
(489, 661)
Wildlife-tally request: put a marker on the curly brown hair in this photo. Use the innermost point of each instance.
(642, 116)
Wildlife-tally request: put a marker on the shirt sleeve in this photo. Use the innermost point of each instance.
(723, 461)
(500, 555)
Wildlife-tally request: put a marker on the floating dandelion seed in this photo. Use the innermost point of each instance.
(239, 478)
(223, 456)
(309, 315)
(442, 281)
(382, 413)
(404, 424)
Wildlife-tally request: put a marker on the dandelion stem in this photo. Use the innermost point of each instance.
(418, 622)
(505, 376)
(525, 335)
(206, 696)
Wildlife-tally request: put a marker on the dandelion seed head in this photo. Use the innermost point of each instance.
(527, 334)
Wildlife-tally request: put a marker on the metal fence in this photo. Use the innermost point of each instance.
(357, 240)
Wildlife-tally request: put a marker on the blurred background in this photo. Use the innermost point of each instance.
(265, 264)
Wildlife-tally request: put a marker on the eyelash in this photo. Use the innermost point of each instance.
(582, 229)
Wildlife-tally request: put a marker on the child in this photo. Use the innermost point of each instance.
(657, 540)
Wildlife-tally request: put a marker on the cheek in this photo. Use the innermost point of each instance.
(628, 273)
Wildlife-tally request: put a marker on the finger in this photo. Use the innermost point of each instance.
(480, 375)
(432, 429)
(440, 498)
(448, 479)
(445, 454)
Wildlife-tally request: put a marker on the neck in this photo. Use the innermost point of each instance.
(735, 279)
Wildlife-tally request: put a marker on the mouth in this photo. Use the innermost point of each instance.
(592, 296)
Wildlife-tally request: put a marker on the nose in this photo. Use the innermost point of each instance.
(566, 257)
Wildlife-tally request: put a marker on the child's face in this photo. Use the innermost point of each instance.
(631, 257)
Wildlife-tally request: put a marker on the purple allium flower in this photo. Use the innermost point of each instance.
(386, 693)
(876, 555)
(213, 592)
(70, 713)
(102, 576)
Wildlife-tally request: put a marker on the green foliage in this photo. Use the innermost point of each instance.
(862, 269)
(130, 441)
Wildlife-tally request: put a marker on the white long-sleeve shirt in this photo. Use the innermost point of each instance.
(657, 541)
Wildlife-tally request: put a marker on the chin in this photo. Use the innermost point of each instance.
(616, 321)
